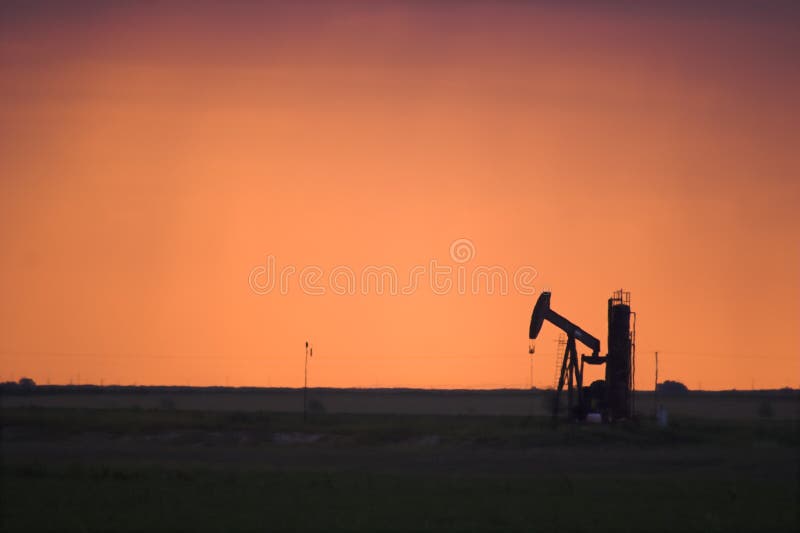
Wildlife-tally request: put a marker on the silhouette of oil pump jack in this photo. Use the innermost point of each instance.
(571, 371)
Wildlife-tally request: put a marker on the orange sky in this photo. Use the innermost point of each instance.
(152, 155)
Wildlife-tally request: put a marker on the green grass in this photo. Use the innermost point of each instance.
(500, 431)
(110, 470)
(148, 499)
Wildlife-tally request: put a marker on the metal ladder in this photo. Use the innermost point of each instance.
(561, 345)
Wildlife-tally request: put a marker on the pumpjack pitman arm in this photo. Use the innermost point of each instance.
(542, 312)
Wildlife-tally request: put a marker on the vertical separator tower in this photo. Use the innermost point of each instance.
(618, 361)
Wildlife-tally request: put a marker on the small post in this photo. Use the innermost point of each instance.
(655, 390)
(305, 385)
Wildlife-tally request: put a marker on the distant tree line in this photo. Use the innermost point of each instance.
(28, 386)
(23, 385)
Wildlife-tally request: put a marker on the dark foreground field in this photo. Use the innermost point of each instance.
(138, 469)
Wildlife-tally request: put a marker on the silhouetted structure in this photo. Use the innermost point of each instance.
(613, 397)
(571, 373)
(619, 378)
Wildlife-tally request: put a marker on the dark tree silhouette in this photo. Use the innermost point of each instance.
(27, 384)
(672, 388)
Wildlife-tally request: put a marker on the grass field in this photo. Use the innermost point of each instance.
(742, 405)
(167, 469)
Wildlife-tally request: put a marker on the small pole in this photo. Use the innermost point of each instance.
(305, 385)
(655, 390)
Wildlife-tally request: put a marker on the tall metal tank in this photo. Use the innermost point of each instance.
(618, 362)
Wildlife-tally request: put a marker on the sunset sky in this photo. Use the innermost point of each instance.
(153, 155)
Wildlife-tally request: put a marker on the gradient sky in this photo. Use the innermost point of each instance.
(153, 153)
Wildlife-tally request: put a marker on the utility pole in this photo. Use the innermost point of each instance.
(655, 390)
